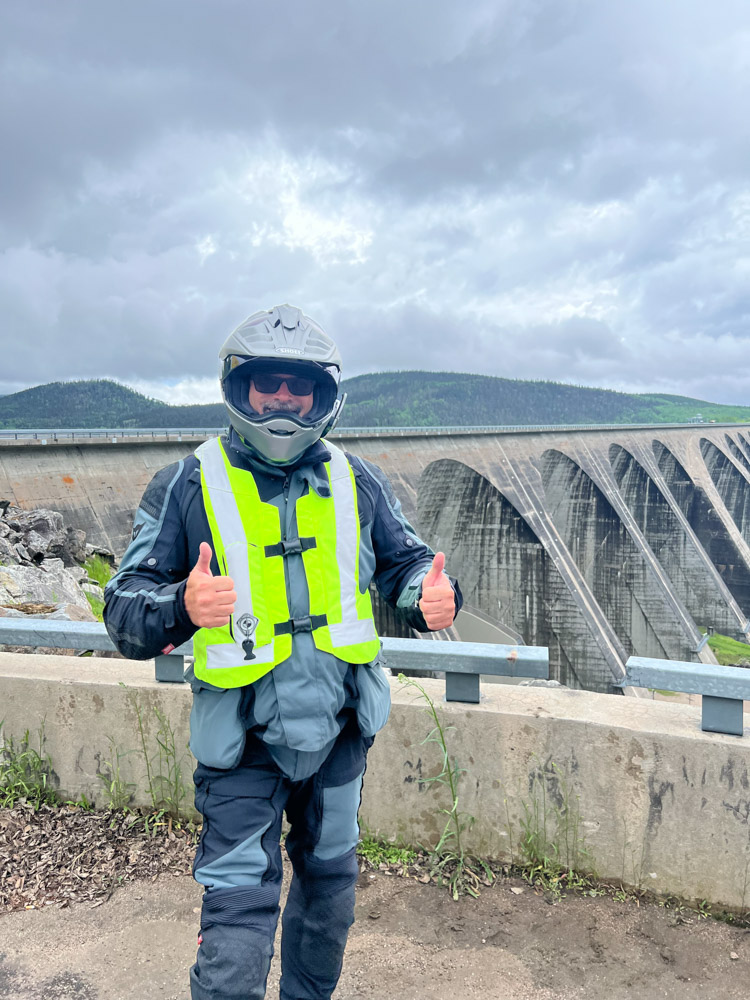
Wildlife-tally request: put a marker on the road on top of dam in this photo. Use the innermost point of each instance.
(410, 942)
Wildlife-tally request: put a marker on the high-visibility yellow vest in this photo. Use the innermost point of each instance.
(247, 542)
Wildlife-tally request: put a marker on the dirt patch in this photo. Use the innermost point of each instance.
(104, 911)
(411, 941)
(518, 945)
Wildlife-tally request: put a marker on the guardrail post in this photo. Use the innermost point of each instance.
(170, 668)
(722, 715)
(462, 687)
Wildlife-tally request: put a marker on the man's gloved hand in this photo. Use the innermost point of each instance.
(437, 604)
(209, 600)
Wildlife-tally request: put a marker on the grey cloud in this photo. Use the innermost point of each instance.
(526, 189)
(437, 99)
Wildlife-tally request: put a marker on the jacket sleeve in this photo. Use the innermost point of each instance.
(402, 559)
(144, 609)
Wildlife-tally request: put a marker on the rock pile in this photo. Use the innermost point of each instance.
(41, 566)
(31, 536)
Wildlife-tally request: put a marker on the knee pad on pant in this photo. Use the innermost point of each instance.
(326, 878)
(241, 906)
(232, 962)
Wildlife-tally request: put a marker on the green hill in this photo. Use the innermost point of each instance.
(387, 399)
(99, 403)
(429, 399)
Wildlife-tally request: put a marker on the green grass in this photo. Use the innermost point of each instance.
(98, 569)
(728, 651)
(378, 853)
(25, 773)
(96, 606)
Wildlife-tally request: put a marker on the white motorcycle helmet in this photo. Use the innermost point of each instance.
(281, 340)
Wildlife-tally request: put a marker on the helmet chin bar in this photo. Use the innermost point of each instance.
(281, 438)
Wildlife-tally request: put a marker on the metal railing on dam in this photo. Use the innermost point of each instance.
(723, 689)
(462, 662)
(47, 435)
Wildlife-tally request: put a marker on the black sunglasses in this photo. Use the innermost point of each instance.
(297, 385)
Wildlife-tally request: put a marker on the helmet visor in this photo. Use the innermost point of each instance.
(267, 375)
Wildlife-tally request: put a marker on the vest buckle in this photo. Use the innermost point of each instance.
(291, 547)
(306, 624)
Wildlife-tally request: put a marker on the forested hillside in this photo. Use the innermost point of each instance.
(389, 399)
(99, 403)
(416, 399)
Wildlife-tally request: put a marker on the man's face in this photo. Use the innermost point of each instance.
(282, 400)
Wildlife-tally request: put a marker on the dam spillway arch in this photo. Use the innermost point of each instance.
(693, 576)
(737, 453)
(744, 444)
(506, 569)
(488, 545)
(731, 485)
(666, 487)
(705, 520)
(615, 568)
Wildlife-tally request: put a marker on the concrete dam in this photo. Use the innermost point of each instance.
(599, 543)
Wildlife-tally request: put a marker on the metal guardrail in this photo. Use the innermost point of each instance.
(723, 689)
(463, 662)
(47, 435)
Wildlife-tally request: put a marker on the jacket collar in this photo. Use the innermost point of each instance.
(309, 466)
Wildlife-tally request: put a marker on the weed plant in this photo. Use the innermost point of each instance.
(378, 853)
(172, 790)
(450, 863)
(25, 773)
(119, 792)
(164, 771)
(552, 845)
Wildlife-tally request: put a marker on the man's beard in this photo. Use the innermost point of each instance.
(282, 407)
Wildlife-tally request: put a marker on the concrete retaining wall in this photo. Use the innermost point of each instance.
(630, 789)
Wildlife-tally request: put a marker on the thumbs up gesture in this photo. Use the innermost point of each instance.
(209, 600)
(437, 604)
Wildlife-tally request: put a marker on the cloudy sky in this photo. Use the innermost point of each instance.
(530, 189)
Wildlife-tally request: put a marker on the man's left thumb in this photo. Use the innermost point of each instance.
(435, 571)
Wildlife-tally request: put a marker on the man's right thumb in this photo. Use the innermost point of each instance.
(204, 559)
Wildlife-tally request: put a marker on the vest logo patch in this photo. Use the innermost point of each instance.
(246, 624)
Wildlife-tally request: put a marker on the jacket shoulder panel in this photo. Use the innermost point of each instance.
(162, 484)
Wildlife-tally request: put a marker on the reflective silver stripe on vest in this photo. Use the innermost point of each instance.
(351, 629)
(229, 522)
